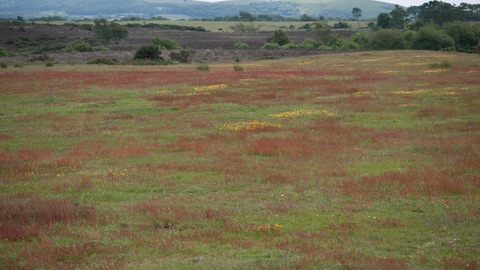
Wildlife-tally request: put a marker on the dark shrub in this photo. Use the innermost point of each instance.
(166, 44)
(241, 46)
(280, 37)
(183, 56)
(429, 38)
(78, 47)
(150, 52)
(104, 61)
(387, 39)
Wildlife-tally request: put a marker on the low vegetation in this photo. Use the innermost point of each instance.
(357, 160)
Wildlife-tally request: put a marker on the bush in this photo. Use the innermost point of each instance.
(409, 35)
(18, 65)
(465, 36)
(3, 52)
(183, 56)
(341, 25)
(42, 58)
(75, 62)
(3, 65)
(237, 67)
(103, 49)
(310, 43)
(444, 64)
(267, 58)
(360, 38)
(429, 38)
(102, 61)
(166, 44)
(88, 27)
(280, 37)
(204, 67)
(241, 46)
(78, 47)
(150, 51)
(387, 39)
(270, 46)
(49, 64)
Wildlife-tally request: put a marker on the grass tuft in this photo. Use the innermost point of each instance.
(444, 64)
(238, 67)
(203, 67)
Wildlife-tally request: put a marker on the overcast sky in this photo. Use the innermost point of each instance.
(407, 3)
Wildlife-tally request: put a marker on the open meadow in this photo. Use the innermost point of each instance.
(365, 160)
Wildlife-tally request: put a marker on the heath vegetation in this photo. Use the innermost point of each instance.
(347, 161)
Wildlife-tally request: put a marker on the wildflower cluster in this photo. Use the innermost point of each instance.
(440, 91)
(387, 71)
(409, 64)
(303, 113)
(249, 126)
(210, 87)
(202, 90)
(269, 229)
(434, 70)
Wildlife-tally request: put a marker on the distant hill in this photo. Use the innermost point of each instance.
(190, 8)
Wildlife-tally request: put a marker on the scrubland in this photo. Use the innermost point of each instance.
(348, 161)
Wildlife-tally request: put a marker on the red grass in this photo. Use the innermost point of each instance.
(166, 214)
(434, 111)
(47, 254)
(410, 183)
(280, 147)
(25, 220)
(5, 137)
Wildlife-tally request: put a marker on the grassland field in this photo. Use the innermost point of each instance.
(366, 160)
(225, 26)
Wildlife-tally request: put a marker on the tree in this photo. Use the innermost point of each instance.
(307, 18)
(429, 38)
(357, 13)
(166, 44)
(466, 36)
(413, 11)
(280, 37)
(323, 34)
(247, 16)
(150, 52)
(383, 20)
(387, 39)
(3, 51)
(112, 30)
(20, 18)
(321, 18)
(360, 38)
(245, 28)
(398, 19)
(440, 12)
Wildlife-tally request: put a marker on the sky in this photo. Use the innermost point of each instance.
(407, 3)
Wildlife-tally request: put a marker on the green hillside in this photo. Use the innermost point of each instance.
(190, 8)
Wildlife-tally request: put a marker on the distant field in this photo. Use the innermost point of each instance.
(264, 26)
(214, 26)
(347, 161)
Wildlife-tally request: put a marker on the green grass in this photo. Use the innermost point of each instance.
(444, 64)
(143, 167)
